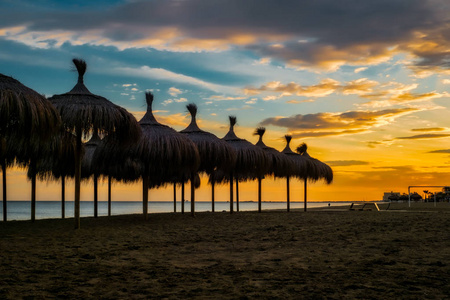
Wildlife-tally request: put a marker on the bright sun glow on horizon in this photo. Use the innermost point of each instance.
(369, 100)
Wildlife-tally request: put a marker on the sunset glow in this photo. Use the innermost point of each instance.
(364, 84)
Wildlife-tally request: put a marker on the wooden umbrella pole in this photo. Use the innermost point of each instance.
(174, 197)
(288, 198)
(259, 193)
(33, 196)
(193, 194)
(5, 215)
(231, 193)
(95, 196)
(145, 185)
(237, 195)
(77, 178)
(109, 195)
(212, 195)
(182, 197)
(63, 197)
(305, 191)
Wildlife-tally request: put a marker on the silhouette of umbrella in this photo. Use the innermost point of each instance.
(27, 120)
(165, 154)
(251, 161)
(59, 163)
(112, 160)
(81, 111)
(280, 165)
(214, 152)
(87, 165)
(300, 167)
(320, 171)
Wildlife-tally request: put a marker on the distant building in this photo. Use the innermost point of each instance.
(391, 196)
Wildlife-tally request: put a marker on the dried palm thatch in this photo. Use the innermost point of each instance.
(251, 161)
(214, 153)
(165, 154)
(280, 165)
(319, 171)
(114, 162)
(300, 167)
(57, 162)
(81, 112)
(27, 119)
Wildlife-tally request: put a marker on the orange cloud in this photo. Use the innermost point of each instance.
(326, 124)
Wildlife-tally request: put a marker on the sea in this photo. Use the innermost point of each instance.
(21, 210)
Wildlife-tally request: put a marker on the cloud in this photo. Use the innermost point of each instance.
(380, 95)
(446, 151)
(350, 122)
(345, 163)
(163, 74)
(226, 98)
(302, 34)
(424, 136)
(429, 129)
(300, 101)
(174, 92)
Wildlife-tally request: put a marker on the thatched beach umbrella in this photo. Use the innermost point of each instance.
(87, 165)
(112, 160)
(251, 161)
(300, 167)
(320, 171)
(81, 111)
(27, 119)
(58, 163)
(214, 152)
(165, 154)
(280, 164)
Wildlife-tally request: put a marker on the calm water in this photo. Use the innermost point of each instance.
(21, 210)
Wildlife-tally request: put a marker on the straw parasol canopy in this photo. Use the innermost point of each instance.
(251, 161)
(280, 164)
(300, 167)
(164, 153)
(58, 164)
(81, 112)
(214, 153)
(319, 170)
(112, 160)
(27, 119)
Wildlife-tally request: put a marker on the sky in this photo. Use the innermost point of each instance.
(363, 83)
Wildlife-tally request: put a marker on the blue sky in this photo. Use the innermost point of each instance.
(364, 83)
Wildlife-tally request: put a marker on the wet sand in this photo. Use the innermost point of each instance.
(331, 253)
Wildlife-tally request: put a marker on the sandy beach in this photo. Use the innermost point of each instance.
(331, 253)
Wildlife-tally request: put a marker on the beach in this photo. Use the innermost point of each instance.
(330, 252)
